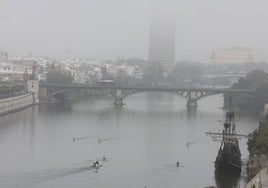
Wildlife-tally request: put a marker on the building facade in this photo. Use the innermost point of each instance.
(233, 55)
(162, 42)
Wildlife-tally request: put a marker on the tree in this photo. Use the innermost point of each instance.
(258, 80)
(241, 84)
(57, 77)
(254, 79)
(260, 97)
(154, 74)
(185, 70)
(258, 140)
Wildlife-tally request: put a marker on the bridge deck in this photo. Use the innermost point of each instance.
(147, 88)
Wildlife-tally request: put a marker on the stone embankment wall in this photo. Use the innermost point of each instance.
(16, 103)
(258, 172)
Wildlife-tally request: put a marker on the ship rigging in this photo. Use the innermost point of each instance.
(229, 156)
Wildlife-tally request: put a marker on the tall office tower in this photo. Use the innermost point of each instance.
(162, 42)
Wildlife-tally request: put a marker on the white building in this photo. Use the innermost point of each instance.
(233, 55)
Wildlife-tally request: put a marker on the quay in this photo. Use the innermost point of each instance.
(17, 103)
(260, 180)
(20, 102)
(259, 166)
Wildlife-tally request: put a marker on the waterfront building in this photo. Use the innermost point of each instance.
(162, 42)
(233, 55)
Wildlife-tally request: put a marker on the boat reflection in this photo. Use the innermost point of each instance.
(227, 179)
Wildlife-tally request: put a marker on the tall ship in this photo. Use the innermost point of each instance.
(229, 156)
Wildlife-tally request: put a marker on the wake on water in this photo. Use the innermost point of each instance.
(29, 179)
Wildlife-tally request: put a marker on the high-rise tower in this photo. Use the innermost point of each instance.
(162, 42)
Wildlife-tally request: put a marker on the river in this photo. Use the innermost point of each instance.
(54, 145)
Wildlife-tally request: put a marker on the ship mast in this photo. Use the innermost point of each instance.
(229, 122)
(228, 133)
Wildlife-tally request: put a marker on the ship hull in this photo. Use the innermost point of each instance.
(229, 161)
(227, 179)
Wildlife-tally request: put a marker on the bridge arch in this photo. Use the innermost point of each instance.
(126, 94)
(121, 92)
(190, 95)
(58, 92)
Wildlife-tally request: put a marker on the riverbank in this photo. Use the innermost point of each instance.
(258, 149)
(259, 180)
(258, 140)
(15, 104)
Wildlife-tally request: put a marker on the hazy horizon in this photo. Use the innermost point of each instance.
(120, 28)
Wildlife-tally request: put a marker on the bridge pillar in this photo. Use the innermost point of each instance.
(118, 98)
(192, 103)
(33, 87)
(43, 94)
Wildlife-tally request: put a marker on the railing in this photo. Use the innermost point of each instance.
(16, 103)
(143, 87)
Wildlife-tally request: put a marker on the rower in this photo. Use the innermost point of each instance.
(177, 164)
(96, 164)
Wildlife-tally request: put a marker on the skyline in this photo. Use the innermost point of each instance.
(120, 28)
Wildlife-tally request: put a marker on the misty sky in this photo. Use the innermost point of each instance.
(119, 28)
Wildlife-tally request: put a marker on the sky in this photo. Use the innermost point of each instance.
(120, 28)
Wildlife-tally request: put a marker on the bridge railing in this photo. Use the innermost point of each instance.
(143, 87)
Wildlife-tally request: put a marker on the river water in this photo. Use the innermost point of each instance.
(54, 145)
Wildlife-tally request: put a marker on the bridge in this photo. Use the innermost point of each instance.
(118, 93)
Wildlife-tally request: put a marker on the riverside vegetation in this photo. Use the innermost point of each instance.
(257, 80)
(258, 140)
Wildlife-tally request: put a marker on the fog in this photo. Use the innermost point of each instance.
(120, 28)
